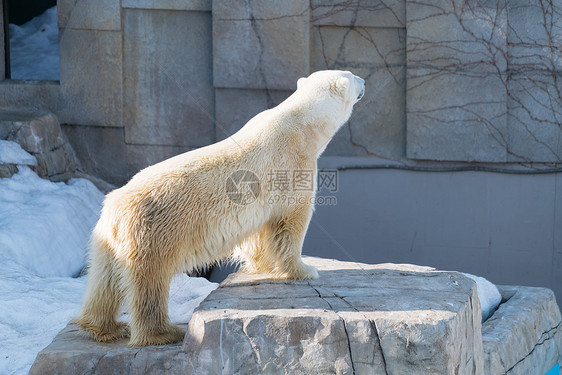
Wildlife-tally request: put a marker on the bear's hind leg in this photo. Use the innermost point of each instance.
(103, 299)
(150, 324)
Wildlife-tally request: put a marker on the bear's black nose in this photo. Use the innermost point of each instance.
(360, 82)
(361, 94)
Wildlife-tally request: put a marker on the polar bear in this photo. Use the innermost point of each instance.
(209, 204)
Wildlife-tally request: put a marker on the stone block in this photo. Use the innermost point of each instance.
(524, 336)
(75, 353)
(39, 133)
(535, 114)
(60, 162)
(458, 54)
(534, 36)
(378, 124)
(452, 35)
(456, 116)
(91, 77)
(168, 93)
(259, 44)
(8, 170)
(92, 15)
(377, 13)
(341, 47)
(340, 323)
(35, 131)
(235, 107)
(192, 5)
(45, 95)
(102, 152)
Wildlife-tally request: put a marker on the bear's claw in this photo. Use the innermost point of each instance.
(171, 335)
(116, 332)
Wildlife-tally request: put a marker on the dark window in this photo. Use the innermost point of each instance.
(31, 39)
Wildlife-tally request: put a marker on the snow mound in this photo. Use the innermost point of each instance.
(186, 293)
(488, 294)
(45, 226)
(12, 153)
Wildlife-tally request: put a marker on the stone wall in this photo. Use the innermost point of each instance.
(446, 81)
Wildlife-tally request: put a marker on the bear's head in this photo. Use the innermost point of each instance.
(329, 96)
(344, 86)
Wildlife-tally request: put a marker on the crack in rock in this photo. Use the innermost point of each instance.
(344, 325)
(348, 342)
(541, 341)
(372, 323)
(255, 351)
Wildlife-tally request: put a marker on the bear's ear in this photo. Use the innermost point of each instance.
(300, 82)
(341, 86)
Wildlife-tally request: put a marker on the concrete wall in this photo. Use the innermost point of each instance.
(449, 85)
(2, 46)
(505, 227)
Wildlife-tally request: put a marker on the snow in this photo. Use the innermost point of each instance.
(51, 220)
(488, 294)
(34, 48)
(12, 153)
(44, 230)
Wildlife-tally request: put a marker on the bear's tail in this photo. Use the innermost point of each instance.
(104, 295)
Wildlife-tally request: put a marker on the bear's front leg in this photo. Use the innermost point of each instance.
(150, 324)
(286, 240)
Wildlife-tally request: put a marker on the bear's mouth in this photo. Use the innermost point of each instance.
(361, 94)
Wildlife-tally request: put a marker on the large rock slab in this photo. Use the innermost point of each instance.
(72, 352)
(356, 318)
(524, 336)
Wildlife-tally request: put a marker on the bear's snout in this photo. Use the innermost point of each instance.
(360, 82)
